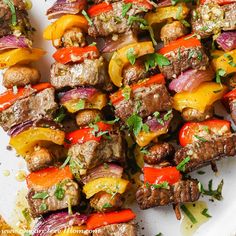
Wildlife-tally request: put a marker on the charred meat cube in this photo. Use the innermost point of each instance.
(159, 153)
(89, 154)
(105, 202)
(182, 59)
(114, 21)
(144, 101)
(90, 73)
(60, 196)
(202, 153)
(122, 229)
(211, 18)
(34, 107)
(190, 114)
(180, 192)
(14, 21)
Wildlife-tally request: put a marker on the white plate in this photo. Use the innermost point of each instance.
(151, 222)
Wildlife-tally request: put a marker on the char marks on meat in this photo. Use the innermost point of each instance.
(88, 73)
(112, 22)
(92, 153)
(203, 153)
(34, 107)
(123, 229)
(184, 59)
(182, 191)
(151, 99)
(211, 18)
(71, 196)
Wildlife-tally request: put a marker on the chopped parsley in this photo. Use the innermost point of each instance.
(111, 122)
(156, 59)
(181, 165)
(191, 53)
(205, 213)
(144, 150)
(67, 160)
(125, 8)
(60, 115)
(185, 23)
(41, 195)
(188, 214)
(80, 105)
(126, 91)
(10, 4)
(159, 234)
(133, 19)
(220, 73)
(230, 60)
(131, 56)
(179, 12)
(107, 205)
(217, 194)
(162, 185)
(200, 138)
(106, 166)
(135, 123)
(26, 214)
(59, 192)
(200, 172)
(85, 14)
(43, 207)
(167, 115)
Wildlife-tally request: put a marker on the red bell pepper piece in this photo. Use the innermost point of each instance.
(188, 41)
(219, 2)
(8, 98)
(75, 54)
(229, 96)
(142, 3)
(98, 9)
(156, 79)
(97, 220)
(48, 177)
(86, 134)
(159, 175)
(192, 129)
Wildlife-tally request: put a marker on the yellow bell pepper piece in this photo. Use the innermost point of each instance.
(25, 141)
(98, 102)
(225, 61)
(119, 59)
(144, 138)
(57, 28)
(20, 56)
(109, 185)
(73, 231)
(177, 12)
(205, 95)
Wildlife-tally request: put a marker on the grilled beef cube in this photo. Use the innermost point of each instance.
(53, 201)
(232, 105)
(92, 153)
(144, 101)
(133, 73)
(210, 18)
(184, 59)
(112, 22)
(191, 114)
(90, 72)
(172, 31)
(22, 26)
(180, 192)
(34, 107)
(122, 229)
(203, 153)
(105, 202)
(159, 153)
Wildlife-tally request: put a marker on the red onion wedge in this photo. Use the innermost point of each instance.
(11, 42)
(62, 7)
(105, 170)
(191, 79)
(47, 226)
(160, 122)
(227, 40)
(164, 3)
(112, 45)
(78, 93)
(15, 130)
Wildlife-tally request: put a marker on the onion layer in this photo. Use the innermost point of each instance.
(63, 7)
(53, 223)
(191, 79)
(11, 42)
(227, 40)
(106, 170)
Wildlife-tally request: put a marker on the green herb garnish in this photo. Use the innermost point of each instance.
(107, 205)
(60, 115)
(205, 213)
(41, 195)
(126, 91)
(85, 14)
(80, 105)
(135, 123)
(220, 73)
(181, 165)
(10, 4)
(59, 192)
(125, 8)
(133, 19)
(167, 115)
(131, 56)
(67, 160)
(162, 185)
(188, 214)
(200, 138)
(43, 207)
(156, 59)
